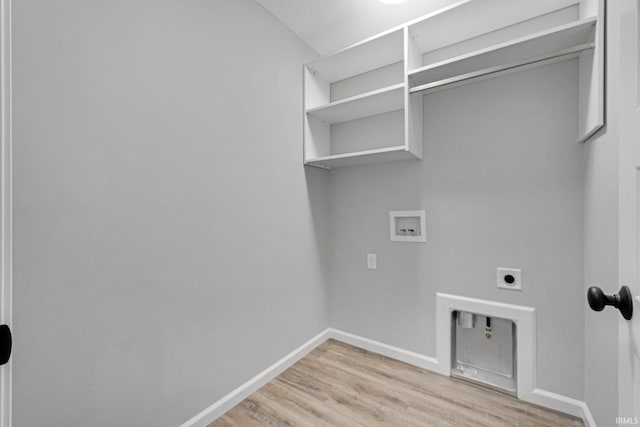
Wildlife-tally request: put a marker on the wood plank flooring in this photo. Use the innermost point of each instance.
(340, 385)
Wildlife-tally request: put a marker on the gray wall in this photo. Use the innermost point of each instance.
(601, 245)
(169, 244)
(502, 185)
(166, 245)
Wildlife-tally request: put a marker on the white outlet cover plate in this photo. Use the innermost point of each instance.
(517, 275)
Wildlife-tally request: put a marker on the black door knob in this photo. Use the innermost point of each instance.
(6, 343)
(622, 300)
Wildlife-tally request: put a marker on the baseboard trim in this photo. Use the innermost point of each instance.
(223, 405)
(587, 418)
(561, 403)
(415, 359)
(539, 397)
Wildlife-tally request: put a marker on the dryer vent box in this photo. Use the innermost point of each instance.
(484, 351)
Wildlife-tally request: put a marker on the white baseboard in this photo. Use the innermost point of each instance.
(540, 397)
(223, 405)
(587, 418)
(415, 359)
(561, 403)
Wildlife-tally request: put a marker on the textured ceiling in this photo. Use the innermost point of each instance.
(329, 25)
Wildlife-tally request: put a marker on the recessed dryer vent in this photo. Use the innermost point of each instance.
(484, 350)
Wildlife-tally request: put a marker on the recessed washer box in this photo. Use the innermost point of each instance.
(407, 226)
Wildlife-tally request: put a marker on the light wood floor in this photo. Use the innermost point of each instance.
(340, 385)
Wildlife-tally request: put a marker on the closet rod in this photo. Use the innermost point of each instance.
(505, 67)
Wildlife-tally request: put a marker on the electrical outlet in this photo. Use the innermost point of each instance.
(372, 261)
(510, 278)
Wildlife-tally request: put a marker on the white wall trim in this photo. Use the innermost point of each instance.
(220, 407)
(561, 403)
(536, 396)
(586, 416)
(6, 239)
(415, 359)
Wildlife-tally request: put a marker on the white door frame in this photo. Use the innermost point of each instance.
(629, 207)
(6, 283)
